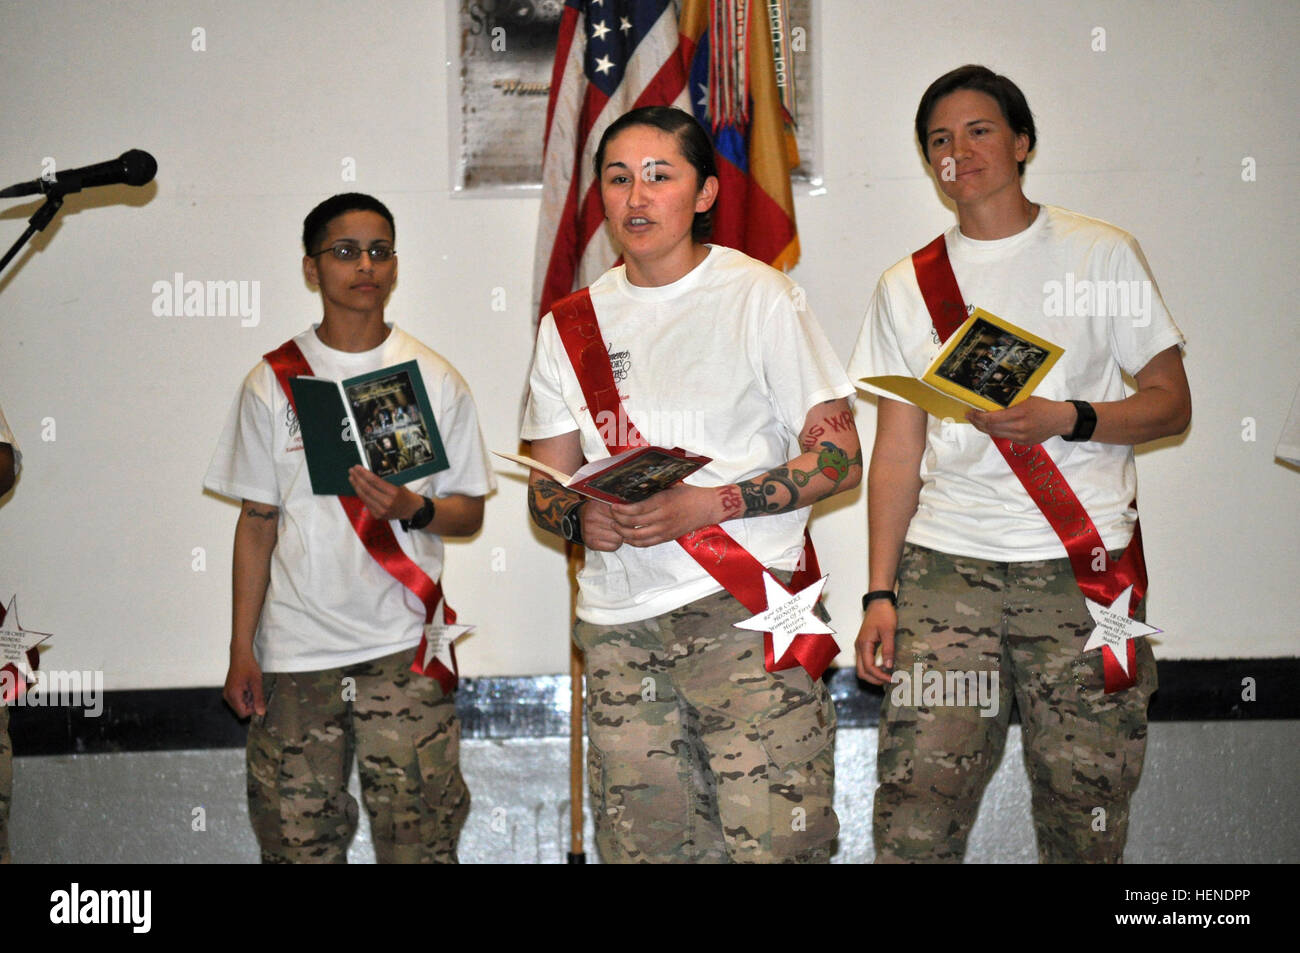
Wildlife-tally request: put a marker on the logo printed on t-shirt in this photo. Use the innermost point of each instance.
(621, 362)
(934, 332)
(294, 428)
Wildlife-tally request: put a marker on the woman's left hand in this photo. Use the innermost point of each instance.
(384, 500)
(668, 514)
(1027, 423)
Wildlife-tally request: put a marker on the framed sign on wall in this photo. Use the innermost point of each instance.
(502, 52)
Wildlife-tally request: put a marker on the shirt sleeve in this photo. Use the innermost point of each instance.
(546, 413)
(1288, 446)
(243, 465)
(878, 352)
(469, 473)
(1145, 328)
(7, 436)
(799, 367)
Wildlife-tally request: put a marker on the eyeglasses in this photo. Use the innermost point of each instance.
(346, 251)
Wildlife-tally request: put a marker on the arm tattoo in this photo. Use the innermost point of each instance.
(841, 422)
(732, 502)
(269, 513)
(777, 491)
(832, 463)
(548, 502)
(771, 492)
(809, 438)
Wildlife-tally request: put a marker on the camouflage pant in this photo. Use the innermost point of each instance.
(6, 783)
(407, 738)
(695, 752)
(1083, 748)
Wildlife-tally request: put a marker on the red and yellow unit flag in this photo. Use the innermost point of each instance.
(736, 54)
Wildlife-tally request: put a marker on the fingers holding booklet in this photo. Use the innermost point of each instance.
(667, 515)
(988, 363)
(627, 477)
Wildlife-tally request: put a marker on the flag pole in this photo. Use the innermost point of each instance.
(576, 760)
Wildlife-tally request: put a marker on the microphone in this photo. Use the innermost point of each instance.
(133, 167)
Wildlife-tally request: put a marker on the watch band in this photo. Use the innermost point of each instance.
(1086, 422)
(421, 518)
(880, 594)
(571, 523)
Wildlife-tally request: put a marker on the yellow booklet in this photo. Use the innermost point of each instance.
(987, 363)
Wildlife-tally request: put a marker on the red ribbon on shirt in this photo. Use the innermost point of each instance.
(717, 552)
(11, 689)
(1043, 480)
(287, 361)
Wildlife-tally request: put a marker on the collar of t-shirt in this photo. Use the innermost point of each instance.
(964, 249)
(683, 285)
(329, 362)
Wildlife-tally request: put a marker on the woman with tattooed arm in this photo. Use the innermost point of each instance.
(707, 744)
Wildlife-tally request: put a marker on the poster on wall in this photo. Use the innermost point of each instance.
(504, 52)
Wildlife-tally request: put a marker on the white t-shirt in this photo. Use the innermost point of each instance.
(7, 436)
(725, 362)
(1076, 281)
(329, 603)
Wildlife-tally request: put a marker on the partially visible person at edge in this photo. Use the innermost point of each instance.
(323, 637)
(984, 585)
(11, 461)
(697, 752)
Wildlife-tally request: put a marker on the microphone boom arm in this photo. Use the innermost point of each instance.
(44, 215)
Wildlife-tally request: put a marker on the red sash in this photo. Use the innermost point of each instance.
(377, 535)
(11, 689)
(729, 563)
(1043, 481)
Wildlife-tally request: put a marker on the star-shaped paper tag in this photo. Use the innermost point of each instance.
(439, 636)
(788, 615)
(1114, 627)
(15, 641)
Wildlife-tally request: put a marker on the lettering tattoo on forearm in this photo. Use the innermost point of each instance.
(808, 439)
(548, 502)
(269, 513)
(778, 490)
(841, 422)
(733, 504)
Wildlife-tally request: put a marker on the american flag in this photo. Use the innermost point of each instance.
(718, 62)
(611, 56)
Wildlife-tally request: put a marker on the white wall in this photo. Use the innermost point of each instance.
(99, 535)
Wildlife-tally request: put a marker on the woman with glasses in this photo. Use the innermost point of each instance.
(325, 631)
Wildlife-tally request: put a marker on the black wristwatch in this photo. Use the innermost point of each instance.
(422, 517)
(880, 594)
(571, 523)
(1086, 422)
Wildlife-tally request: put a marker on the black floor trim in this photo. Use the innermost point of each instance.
(178, 719)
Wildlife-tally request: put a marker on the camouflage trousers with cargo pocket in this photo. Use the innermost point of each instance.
(1027, 623)
(406, 736)
(695, 752)
(6, 783)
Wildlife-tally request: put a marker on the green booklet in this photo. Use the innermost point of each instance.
(381, 420)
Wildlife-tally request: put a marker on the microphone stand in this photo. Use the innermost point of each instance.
(44, 215)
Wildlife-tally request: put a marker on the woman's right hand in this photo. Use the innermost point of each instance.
(599, 531)
(243, 691)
